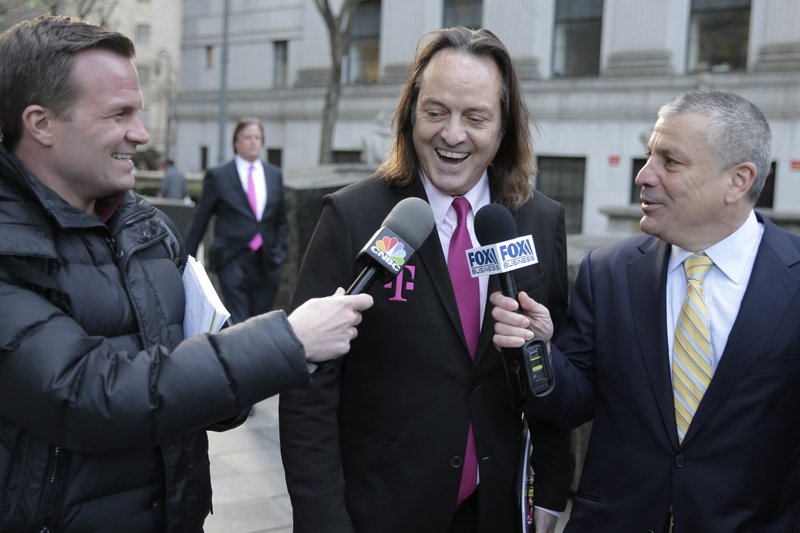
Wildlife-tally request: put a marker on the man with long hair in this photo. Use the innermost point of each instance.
(415, 432)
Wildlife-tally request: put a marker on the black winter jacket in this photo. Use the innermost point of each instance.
(103, 405)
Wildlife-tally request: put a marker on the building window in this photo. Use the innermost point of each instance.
(203, 157)
(346, 156)
(463, 13)
(209, 57)
(718, 32)
(363, 56)
(638, 164)
(143, 34)
(562, 179)
(280, 54)
(767, 197)
(576, 40)
(275, 157)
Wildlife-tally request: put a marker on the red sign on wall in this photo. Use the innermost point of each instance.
(613, 160)
(795, 164)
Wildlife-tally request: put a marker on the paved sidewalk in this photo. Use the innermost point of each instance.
(247, 477)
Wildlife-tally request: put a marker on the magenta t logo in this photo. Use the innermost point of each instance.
(401, 284)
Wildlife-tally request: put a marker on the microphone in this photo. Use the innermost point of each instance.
(402, 232)
(528, 369)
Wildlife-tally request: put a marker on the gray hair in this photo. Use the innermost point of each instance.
(738, 130)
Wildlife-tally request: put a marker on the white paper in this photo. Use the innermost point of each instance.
(205, 312)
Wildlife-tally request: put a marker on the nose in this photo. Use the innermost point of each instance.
(453, 132)
(646, 176)
(137, 133)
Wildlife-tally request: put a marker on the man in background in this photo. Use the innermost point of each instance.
(173, 184)
(416, 432)
(245, 195)
(103, 404)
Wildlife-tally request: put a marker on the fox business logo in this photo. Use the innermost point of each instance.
(502, 256)
(389, 249)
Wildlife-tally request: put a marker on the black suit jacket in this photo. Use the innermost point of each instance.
(738, 469)
(224, 197)
(374, 444)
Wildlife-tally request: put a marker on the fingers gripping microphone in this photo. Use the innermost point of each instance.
(529, 371)
(403, 231)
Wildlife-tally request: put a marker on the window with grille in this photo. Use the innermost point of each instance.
(463, 13)
(562, 179)
(576, 39)
(718, 33)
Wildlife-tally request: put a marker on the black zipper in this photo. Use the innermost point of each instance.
(53, 490)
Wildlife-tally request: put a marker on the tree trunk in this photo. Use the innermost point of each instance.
(340, 28)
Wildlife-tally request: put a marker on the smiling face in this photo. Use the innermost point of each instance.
(458, 122)
(93, 143)
(683, 189)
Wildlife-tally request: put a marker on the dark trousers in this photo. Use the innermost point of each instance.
(248, 286)
(465, 518)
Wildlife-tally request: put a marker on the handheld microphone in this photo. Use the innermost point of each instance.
(528, 369)
(402, 232)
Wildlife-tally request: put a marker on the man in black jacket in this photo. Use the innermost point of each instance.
(415, 432)
(103, 404)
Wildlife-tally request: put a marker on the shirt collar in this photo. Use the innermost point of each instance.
(243, 165)
(478, 196)
(731, 254)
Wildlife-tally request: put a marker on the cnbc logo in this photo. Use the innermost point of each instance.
(393, 248)
(390, 251)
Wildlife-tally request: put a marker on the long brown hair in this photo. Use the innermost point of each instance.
(513, 167)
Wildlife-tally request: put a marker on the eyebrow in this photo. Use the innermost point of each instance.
(434, 101)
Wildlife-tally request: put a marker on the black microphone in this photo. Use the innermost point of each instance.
(402, 232)
(528, 369)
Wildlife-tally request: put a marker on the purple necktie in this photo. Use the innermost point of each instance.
(257, 240)
(467, 293)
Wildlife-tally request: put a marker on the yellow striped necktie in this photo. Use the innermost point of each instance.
(691, 351)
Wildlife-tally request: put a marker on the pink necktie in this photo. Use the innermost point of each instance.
(256, 242)
(467, 294)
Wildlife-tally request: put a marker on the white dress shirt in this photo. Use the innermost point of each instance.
(243, 167)
(445, 217)
(723, 287)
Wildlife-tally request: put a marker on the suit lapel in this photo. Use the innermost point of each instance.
(430, 257)
(234, 185)
(647, 281)
(770, 291)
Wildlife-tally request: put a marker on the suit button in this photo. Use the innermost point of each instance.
(456, 461)
(679, 461)
(474, 388)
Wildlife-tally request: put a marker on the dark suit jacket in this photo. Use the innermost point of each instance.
(224, 197)
(374, 444)
(738, 469)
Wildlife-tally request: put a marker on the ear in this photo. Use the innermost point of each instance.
(742, 178)
(37, 122)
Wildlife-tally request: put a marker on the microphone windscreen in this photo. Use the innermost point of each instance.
(412, 220)
(494, 223)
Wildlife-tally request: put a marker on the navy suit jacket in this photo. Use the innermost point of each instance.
(375, 443)
(224, 197)
(738, 469)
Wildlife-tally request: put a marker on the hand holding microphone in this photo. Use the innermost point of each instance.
(528, 368)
